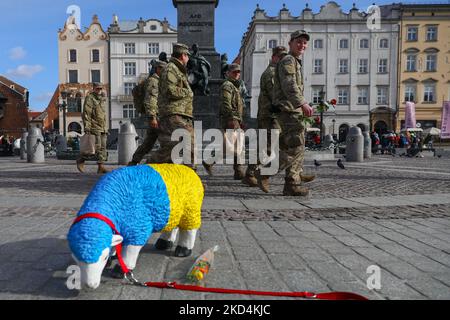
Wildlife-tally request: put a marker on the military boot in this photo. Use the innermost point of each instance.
(250, 181)
(307, 178)
(102, 169)
(239, 173)
(80, 165)
(263, 182)
(208, 168)
(294, 189)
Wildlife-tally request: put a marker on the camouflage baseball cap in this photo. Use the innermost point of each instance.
(97, 85)
(278, 51)
(180, 48)
(234, 67)
(300, 33)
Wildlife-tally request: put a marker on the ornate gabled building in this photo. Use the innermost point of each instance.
(348, 60)
(424, 62)
(133, 45)
(83, 59)
(14, 108)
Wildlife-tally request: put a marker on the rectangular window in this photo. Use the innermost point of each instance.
(431, 62)
(128, 88)
(363, 66)
(316, 94)
(130, 68)
(129, 111)
(364, 44)
(384, 44)
(363, 95)
(318, 63)
(95, 76)
(343, 95)
(95, 55)
(153, 48)
(432, 33)
(272, 44)
(410, 93)
(429, 93)
(73, 55)
(412, 33)
(130, 48)
(411, 62)
(382, 95)
(73, 76)
(343, 66)
(383, 66)
(343, 44)
(318, 44)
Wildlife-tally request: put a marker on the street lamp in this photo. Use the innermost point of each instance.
(334, 124)
(321, 102)
(63, 106)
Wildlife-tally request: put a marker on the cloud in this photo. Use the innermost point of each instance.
(17, 53)
(25, 71)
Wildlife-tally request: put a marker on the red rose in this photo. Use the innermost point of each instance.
(333, 102)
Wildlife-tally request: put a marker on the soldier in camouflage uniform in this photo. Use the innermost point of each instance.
(151, 111)
(174, 104)
(266, 119)
(289, 100)
(94, 120)
(232, 109)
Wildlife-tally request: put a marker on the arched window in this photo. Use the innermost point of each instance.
(273, 44)
(343, 131)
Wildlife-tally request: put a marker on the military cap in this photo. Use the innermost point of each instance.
(160, 64)
(298, 34)
(277, 51)
(234, 67)
(180, 48)
(97, 85)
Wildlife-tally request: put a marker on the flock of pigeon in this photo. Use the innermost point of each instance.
(339, 164)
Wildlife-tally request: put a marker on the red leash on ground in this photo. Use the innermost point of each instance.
(173, 285)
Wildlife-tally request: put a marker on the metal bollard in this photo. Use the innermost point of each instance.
(127, 143)
(354, 151)
(35, 146)
(367, 144)
(23, 146)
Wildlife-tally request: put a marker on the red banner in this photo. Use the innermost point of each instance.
(410, 115)
(445, 128)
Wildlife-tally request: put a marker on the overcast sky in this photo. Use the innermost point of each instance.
(28, 46)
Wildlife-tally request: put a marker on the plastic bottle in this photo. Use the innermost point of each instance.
(202, 265)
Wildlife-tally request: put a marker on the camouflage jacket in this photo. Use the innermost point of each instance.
(175, 94)
(265, 99)
(151, 96)
(288, 84)
(94, 114)
(231, 103)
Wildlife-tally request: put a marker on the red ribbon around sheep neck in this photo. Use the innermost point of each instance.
(174, 285)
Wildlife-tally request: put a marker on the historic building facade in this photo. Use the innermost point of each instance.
(424, 62)
(346, 59)
(133, 45)
(13, 108)
(83, 59)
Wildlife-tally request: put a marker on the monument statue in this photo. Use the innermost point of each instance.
(224, 64)
(199, 70)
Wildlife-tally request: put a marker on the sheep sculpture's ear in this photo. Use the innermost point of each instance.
(116, 239)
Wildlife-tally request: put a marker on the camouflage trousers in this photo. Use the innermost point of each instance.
(268, 124)
(167, 126)
(146, 146)
(292, 146)
(100, 148)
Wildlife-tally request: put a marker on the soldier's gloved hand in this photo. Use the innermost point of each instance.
(275, 109)
(231, 124)
(243, 126)
(307, 110)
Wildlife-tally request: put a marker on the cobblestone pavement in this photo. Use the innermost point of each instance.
(390, 212)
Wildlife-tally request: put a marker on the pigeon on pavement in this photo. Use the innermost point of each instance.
(340, 164)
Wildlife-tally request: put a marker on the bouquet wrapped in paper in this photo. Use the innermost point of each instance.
(202, 265)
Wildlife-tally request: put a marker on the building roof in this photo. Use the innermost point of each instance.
(13, 85)
(33, 114)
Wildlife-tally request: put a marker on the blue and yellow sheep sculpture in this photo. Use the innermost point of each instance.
(139, 201)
